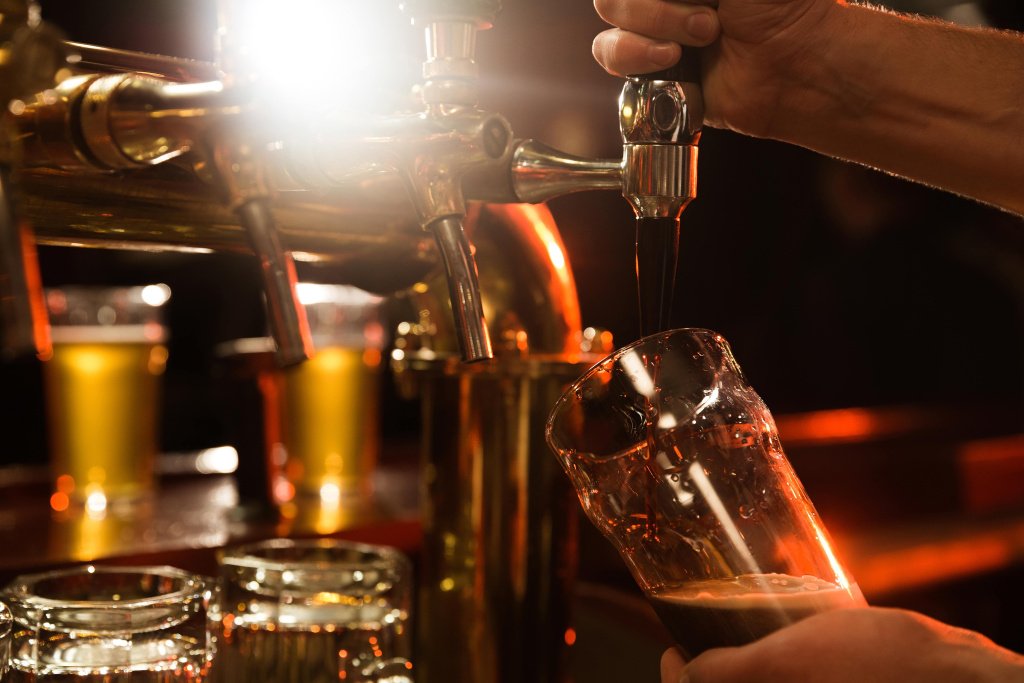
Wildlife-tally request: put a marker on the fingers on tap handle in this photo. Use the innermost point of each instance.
(686, 70)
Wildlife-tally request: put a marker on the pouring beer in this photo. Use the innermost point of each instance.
(677, 461)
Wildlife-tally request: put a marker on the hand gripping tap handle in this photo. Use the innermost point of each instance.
(660, 117)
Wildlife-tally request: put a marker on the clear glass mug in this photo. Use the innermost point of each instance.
(315, 611)
(678, 462)
(96, 624)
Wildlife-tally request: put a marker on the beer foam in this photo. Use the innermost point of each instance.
(108, 334)
(753, 591)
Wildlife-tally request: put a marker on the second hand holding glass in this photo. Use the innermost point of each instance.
(677, 461)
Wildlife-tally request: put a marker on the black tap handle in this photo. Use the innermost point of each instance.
(686, 70)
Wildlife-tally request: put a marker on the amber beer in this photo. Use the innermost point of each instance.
(102, 393)
(330, 421)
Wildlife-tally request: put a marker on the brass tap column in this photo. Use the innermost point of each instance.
(31, 56)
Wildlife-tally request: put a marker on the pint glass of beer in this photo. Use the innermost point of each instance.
(92, 624)
(678, 462)
(316, 611)
(329, 405)
(102, 392)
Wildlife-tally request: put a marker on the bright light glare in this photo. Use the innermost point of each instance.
(156, 295)
(310, 294)
(707, 490)
(219, 460)
(322, 54)
(633, 365)
(330, 494)
(96, 502)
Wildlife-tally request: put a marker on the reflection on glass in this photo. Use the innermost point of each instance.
(678, 462)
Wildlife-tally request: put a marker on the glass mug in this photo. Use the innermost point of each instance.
(315, 611)
(678, 462)
(95, 624)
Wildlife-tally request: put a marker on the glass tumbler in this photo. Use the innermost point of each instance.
(678, 462)
(315, 611)
(329, 404)
(95, 624)
(103, 392)
(5, 639)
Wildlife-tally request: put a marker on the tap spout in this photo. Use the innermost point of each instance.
(464, 288)
(285, 315)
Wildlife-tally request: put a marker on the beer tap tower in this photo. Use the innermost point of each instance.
(127, 150)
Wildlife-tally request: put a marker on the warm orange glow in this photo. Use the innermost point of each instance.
(992, 473)
(408, 665)
(284, 491)
(851, 425)
(371, 357)
(930, 563)
(59, 502)
(570, 636)
(846, 424)
(65, 483)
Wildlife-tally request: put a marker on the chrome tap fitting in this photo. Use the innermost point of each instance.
(660, 121)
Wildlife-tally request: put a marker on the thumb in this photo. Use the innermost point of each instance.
(672, 666)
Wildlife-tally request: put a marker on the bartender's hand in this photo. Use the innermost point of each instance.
(916, 97)
(854, 646)
(743, 72)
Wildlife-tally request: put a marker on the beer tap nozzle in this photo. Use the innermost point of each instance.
(660, 117)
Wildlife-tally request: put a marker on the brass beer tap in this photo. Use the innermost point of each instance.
(151, 152)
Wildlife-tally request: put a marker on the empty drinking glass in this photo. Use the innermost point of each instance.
(5, 639)
(94, 624)
(315, 611)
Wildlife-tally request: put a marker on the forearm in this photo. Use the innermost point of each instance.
(940, 104)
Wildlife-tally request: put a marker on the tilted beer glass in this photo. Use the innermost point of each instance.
(678, 462)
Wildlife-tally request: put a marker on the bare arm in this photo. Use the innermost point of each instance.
(929, 101)
(920, 98)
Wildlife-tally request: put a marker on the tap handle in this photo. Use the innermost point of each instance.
(686, 70)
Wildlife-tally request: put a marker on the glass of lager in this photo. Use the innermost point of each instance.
(678, 462)
(103, 392)
(96, 624)
(329, 405)
(316, 611)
